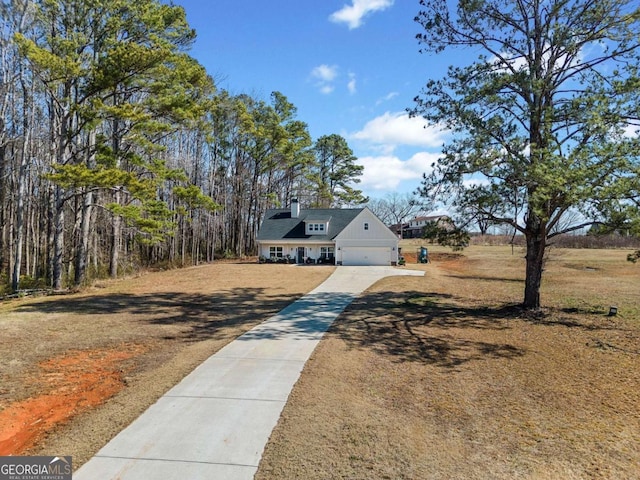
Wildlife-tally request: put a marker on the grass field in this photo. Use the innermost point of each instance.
(434, 377)
(444, 377)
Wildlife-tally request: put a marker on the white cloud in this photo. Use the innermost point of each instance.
(352, 84)
(386, 172)
(631, 131)
(517, 63)
(475, 182)
(520, 64)
(392, 129)
(327, 89)
(353, 14)
(324, 75)
(387, 97)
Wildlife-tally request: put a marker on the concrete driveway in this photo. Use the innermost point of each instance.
(215, 423)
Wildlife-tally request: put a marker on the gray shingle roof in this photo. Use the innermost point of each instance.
(278, 224)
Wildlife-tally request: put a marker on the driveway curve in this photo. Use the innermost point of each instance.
(217, 420)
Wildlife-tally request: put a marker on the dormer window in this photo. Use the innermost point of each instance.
(317, 224)
(316, 228)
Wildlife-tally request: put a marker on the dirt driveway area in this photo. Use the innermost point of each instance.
(76, 369)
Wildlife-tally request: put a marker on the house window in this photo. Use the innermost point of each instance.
(366, 226)
(316, 227)
(327, 252)
(275, 252)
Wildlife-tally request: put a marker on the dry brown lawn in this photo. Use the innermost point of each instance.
(421, 378)
(444, 377)
(76, 369)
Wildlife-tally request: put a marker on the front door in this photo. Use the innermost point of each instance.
(300, 254)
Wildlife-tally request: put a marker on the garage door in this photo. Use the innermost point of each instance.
(366, 256)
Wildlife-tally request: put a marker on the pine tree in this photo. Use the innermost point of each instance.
(542, 115)
(333, 173)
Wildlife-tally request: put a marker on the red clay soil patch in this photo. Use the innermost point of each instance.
(71, 383)
(446, 256)
(412, 257)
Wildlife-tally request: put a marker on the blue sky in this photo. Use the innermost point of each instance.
(351, 67)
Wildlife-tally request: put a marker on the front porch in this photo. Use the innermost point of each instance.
(321, 253)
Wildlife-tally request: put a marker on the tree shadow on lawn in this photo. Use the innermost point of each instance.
(408, 327)
(435, 329)
(485, 278)
(199, 316)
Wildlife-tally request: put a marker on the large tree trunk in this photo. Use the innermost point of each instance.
(536, 239)
(83, 245)
(82, 252)
(58, 239)
(4, 243)
(61, 123)
(19, 242)
(116, 233)
(50, 234)
(22, 180)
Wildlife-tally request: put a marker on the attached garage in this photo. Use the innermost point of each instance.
(358, 256)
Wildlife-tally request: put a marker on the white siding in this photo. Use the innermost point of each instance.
(380, 241)
(377, 232)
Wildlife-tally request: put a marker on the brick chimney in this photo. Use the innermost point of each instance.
(295, 208)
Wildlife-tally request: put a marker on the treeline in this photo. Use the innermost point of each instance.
(603, 241)
(116, 149)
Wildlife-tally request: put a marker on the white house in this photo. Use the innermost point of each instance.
(415, 227)
(349, 236)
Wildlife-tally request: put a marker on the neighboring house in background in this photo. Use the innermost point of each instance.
(331, 235)
(415, 227)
